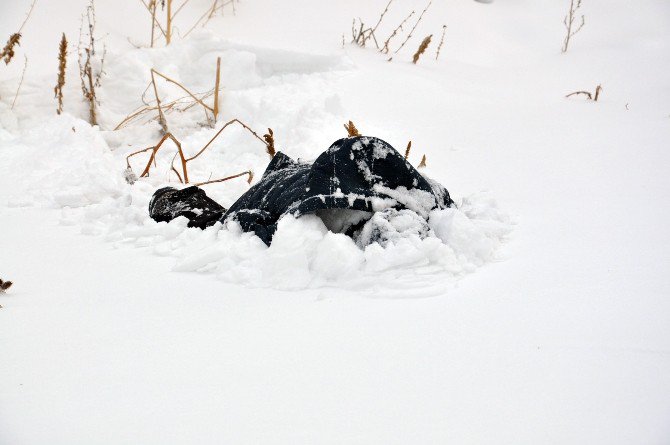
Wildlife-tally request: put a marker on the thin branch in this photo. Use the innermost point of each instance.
(23, 73)
(439, 47)
(32, 5)
(216, 88)
(586, 93)
(248, 172)
(161, 118)
(409, 36)
(385, 48)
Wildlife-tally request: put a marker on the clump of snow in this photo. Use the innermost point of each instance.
(390, 226)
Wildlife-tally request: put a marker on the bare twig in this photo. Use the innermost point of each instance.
(30, 11)
(362, 35)
(385, 48)
(249, 173)
(161, 117)
(184, 160)
(409, 36)
(586, 93)
(409, 147)
(168, 26)
(439, 47)
(195, 98)
(90, 80)
(568, 22)
(594, 97)
(597, 95)
(153, 5)
(23, 73)
(216, 88)
(422, 164)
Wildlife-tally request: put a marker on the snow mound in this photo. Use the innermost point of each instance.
(304, 253)
(62, 162)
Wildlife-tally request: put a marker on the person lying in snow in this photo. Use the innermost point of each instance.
(360, 186)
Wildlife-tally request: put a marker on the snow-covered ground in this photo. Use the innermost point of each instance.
(539, 315)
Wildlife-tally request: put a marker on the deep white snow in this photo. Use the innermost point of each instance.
(536, 311)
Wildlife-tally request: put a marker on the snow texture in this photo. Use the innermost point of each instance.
(549, 317)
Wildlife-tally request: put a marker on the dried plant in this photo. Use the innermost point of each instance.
(569, 20)
(411, 32)
(422, 48)
(409, 147)
(422, 164)
(23, 74)
(180, 104)
(269, 139)
(4, 285)
(249, 173)
(183, 177)
(161, 117)
(439, 47)
(207, 108)
(361, 35)
(168, 26)
(385, 48)
(90, 76)
(7, 53)
(216, 88)
(209, 13)
(351, 129)
(594, 97)
(62, 64)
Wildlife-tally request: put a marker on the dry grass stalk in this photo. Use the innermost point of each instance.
(23, 73)
(439, 47)
(216, 88)
(249, 173)
(361, 35)
(351, 129)
(269, 139)
(161, 117)
(90, 78)
(385, 48)
(409, 147)
(183, 159)
(422, 48)
(168, 26)
(411, 32)
(7, 52)
(594, 97)
(597, 95)
(152, 6)
(422, 164)
(208, 14)
(206, 107)
(180, 104)
(62, 64)
(568, 22)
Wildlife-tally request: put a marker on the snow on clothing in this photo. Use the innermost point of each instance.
(362, 175)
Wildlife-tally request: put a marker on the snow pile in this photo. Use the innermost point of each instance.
(304, 253)
(62, 162)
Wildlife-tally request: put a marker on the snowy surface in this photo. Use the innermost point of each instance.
(537, 311)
